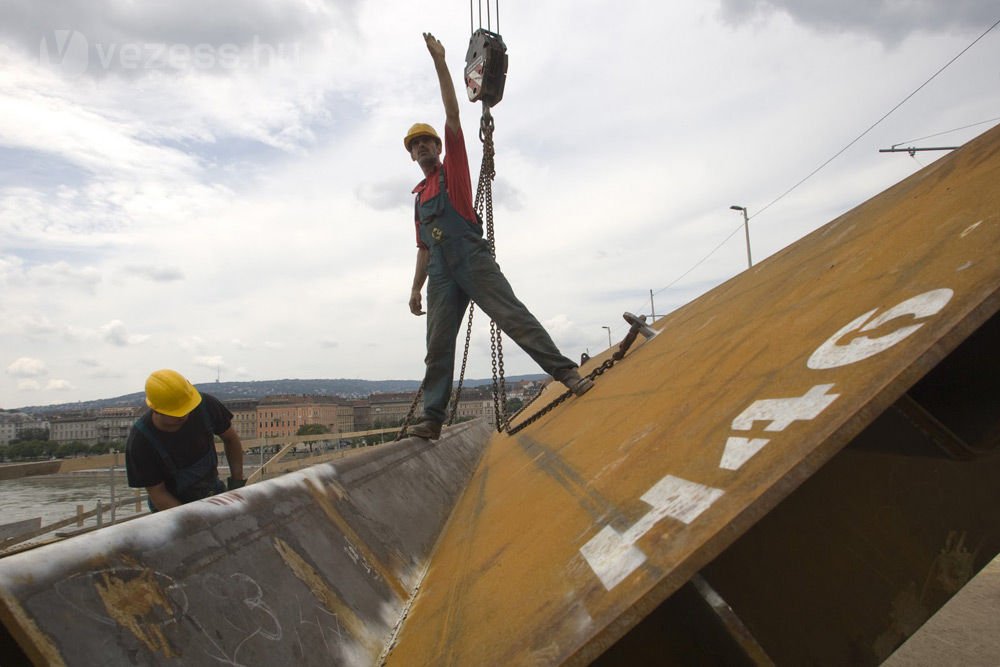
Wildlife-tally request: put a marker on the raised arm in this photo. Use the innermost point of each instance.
(444, 80)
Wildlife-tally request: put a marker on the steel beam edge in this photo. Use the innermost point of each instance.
(313, 567)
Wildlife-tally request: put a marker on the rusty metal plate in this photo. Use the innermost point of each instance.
(314, 567)
(575, 528)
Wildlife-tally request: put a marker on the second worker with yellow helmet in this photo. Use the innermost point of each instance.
(171, 449)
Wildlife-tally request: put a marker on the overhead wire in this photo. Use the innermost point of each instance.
(838, 154)
(699, 262)
(878, 122)
(938, 134)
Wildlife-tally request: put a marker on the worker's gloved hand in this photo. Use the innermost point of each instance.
(235, 483)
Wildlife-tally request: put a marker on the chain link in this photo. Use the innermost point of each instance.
(502, 386)
(409, 415)
(557, 401)
(499, 389)
(456, 397)
(637, 327)
(484, 208)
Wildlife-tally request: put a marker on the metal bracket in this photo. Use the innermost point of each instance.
(638, 324)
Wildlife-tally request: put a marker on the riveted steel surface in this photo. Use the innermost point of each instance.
(314, 567)
(574, 529)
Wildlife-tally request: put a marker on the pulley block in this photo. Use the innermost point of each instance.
(486, 67)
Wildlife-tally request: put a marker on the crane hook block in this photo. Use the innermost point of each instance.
(486, 67)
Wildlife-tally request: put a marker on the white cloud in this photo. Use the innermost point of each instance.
(36, 325)
(160, 274)
(192, 343)
(888, 20)
(11, 269)
(26, 367)
(58, 385)
(62, 274)
(212, 362)
(115, 333)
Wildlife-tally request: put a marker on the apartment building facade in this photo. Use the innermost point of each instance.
(244, 417)
(74, 427)
(113, 423)
(279, 416)
(389, 410)
(14, 425)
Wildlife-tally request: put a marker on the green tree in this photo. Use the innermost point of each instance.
(25, 450)
(33, 434)
(513, 405)
(70, 449)
(312, 429)
(102, 447)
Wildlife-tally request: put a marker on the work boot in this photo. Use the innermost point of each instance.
(576, 384)
(427, 429)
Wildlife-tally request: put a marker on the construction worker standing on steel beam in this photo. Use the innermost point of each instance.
(455, 261)
(171, 449)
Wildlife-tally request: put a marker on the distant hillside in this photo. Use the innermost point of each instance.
(228, 391)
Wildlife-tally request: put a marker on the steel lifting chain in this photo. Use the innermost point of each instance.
(499, 386)
(484, 190)
(557, 401)
(409, 415)
(484, 206)
(638, 326)
(453, 410)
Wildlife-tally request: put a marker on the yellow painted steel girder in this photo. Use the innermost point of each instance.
(575, 528)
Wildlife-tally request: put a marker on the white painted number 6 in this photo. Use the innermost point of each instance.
(833, 355)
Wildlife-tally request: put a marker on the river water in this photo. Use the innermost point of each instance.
(55, 497)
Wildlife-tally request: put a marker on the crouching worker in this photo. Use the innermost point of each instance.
(171, 449)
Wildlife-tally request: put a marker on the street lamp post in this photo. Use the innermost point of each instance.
(609, 336)
(746, 229)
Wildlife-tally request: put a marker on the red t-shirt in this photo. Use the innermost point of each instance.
(456, 173)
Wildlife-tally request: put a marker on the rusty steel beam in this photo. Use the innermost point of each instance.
(852, 562)
(597, 516)
(314, 567)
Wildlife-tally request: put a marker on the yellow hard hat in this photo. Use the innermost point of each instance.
(420, 130)
(169, 393)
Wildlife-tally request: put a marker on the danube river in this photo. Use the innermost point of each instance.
(55, 497)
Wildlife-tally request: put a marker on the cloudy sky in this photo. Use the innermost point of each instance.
(221, 187)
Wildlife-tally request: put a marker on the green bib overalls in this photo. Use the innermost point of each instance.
(461, 267)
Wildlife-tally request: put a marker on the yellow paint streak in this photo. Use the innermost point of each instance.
(129, 602)
(327, 596)
(323, 500)
(36, 644)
